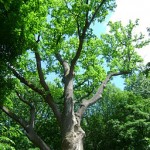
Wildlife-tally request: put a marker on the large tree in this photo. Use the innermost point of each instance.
(66, 65)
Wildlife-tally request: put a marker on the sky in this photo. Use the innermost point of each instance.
(131, 10)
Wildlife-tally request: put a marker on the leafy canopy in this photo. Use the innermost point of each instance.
(51, 37)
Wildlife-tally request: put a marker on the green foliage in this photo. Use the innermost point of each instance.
(120, 121)
(11, 41)
(147, 70)
(56, 26)
(48, 129)
(12, 136)
(64, 27)
(11, 31)
(20, 22)
(140, 83)
(120, 45)
(6, 143)
(46, 125)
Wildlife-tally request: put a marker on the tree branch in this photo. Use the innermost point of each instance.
(78, 28)
(64, 64)
(76, 57)
(86, 103)
(19, 120)
(82, 37)
(79, 84)
(52, 104)
(96, 11)
(81, 41)
(87, 12)
(32, 110)
(47, 96)
(86, 95)
(23, 80)
(40, 72)
(31, 134)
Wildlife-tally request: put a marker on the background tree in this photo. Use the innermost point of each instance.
(119, 121)
(60, 42)
(140, 83)
(12, 40)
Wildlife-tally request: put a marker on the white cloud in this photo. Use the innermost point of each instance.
(131, 10)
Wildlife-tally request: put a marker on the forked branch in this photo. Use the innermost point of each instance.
(45, 94)
(83, 34)
(63, 63)
(86, 103)
(32, 135)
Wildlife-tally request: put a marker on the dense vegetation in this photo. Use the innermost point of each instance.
(54, 71)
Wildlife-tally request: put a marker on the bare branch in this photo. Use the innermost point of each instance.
(52, 104)
(48, 97)
(26, 82)
(32, 116)
(78, 27)
(64, 64)
(59, 58)
(86, 103)
(22, 99)
(32, 135)
(81, 41)
(38, 38)
(87, 12)
(40, 72)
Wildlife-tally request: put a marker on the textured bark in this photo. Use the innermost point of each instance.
(73, 140)
(72, 133)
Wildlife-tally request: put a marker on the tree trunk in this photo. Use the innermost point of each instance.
(73, 140)
(72, 133)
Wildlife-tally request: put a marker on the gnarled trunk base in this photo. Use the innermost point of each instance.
(73, 140)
